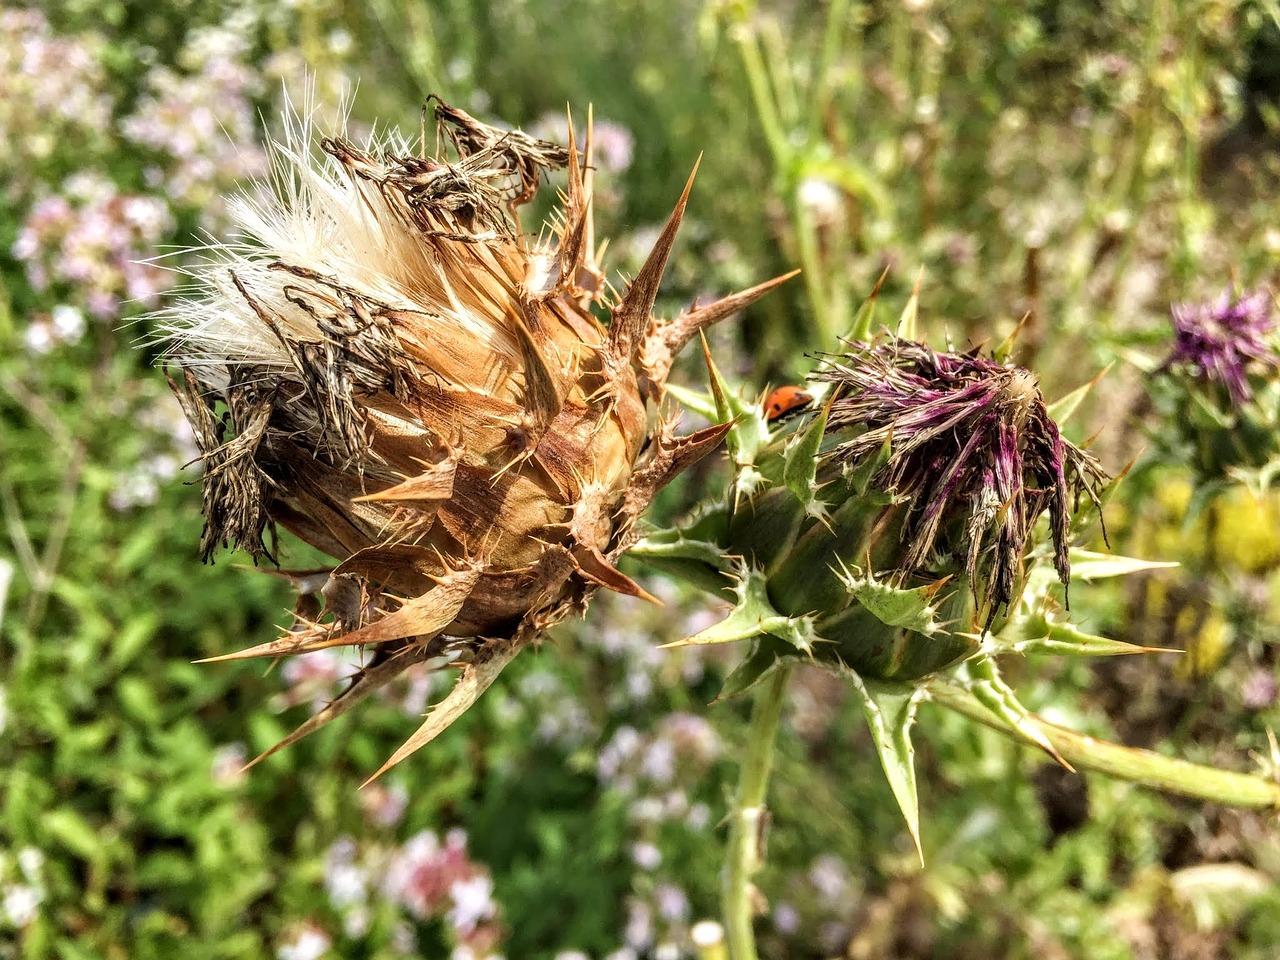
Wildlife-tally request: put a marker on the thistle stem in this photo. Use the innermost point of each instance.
(749, 817)
(1127, 763)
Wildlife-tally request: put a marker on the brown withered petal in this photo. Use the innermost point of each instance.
(390, 369)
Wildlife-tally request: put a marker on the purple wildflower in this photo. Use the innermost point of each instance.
(974, 459)
(1259, 690)
(1217, 342)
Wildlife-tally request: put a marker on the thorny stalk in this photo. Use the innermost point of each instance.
(1128, 763)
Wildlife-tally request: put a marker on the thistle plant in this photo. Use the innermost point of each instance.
(388, 368)
(1219, 387)
(913, 530)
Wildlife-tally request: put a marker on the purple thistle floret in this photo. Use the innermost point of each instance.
(1219, 341)
(974, 457)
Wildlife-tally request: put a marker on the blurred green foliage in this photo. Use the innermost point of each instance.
(1079, 164)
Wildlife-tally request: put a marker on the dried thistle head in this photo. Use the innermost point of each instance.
(389, 368)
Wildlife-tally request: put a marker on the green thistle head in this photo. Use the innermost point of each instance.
(912, 526)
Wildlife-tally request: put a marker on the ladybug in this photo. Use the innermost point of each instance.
(786, 402)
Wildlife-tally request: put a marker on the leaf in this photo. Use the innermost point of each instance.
(673, 544)
(67, 828)
(860, 476)
(750, 432)
(907, 322)
(1137, 360)
(864, 319)
(697, 562)
(1062, 408)
(800, 465)
(164, 870)
(890, 710)
(986, 684)
(138, 702)
(1047, 630)
(133, 638)
(6, 577)
(1038, 634)
(1087, 565)
(1260, 481)
(703, 404)
(764, 658)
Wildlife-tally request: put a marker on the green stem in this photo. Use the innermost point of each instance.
(832, 36)
(748, 819)
(814, 275)
(762, 95)
(1127, 763)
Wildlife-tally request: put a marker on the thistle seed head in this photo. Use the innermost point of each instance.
(386, 366)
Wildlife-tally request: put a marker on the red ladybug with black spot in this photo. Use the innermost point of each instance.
(786, 402)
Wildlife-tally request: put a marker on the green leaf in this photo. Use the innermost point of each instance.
(1140, 361)
(910, 313)
(983, 680)
(1062, 408)
(1039, 634)
(890, 710)
(861, 476)
(864, 319)
(138, 702)
(1087, 565)
(164, 869)
(6, 577)
(750, 431)
(764, 658)
(697, 562)
(703, 404)
(136, 634)
(674, 544)
(1205, 412)
(67, 828)
(1260, 481)
(800, 465)
(765, 527)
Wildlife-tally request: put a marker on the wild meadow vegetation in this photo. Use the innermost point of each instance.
(1100, 179)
